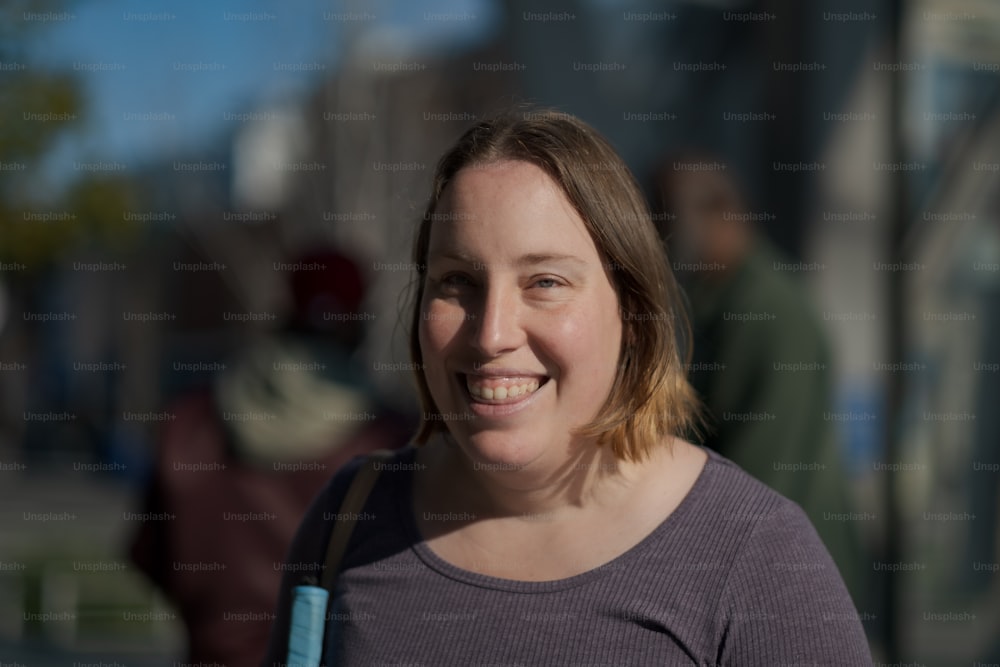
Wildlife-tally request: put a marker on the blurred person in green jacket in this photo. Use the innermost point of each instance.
(761, 361)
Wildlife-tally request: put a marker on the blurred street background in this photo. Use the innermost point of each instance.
(165, 166)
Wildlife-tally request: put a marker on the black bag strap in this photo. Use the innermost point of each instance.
(354, 501)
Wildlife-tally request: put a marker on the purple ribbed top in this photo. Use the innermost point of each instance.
(736, 575)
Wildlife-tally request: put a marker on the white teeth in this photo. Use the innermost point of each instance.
(502, 392)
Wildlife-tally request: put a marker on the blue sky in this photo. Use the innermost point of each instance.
(134, 63)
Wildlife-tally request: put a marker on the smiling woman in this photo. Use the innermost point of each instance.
(547, 179)
(548, 512)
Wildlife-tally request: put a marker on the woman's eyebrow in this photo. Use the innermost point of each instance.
(529, 259)
(453, 254)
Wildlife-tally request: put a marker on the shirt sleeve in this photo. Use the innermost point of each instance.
(785, 603)
(306, 557)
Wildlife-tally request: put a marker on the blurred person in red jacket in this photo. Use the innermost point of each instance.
(237, 467)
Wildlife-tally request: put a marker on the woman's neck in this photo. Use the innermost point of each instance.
(590, 478)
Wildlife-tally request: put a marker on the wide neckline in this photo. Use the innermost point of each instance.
(407, 520)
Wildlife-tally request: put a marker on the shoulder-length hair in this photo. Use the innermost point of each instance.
(651, 398)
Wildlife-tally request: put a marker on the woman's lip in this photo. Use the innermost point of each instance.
(498, 372)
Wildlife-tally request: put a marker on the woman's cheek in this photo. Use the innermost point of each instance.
(439, 323)
(572, 328)
(587, 339)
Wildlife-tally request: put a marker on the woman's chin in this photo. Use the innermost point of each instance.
(500, 451)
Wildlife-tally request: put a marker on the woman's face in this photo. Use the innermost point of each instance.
(520, 328)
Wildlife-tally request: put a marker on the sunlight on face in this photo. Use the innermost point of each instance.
(520, 327)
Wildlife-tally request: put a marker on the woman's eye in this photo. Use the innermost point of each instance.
(546, 282)
(455, 280)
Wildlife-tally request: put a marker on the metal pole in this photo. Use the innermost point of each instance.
(895, 338)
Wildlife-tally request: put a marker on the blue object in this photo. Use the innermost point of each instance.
(305, 638)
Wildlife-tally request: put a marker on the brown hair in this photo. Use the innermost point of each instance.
(651, 397)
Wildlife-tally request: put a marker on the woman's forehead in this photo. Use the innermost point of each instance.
(517, 211)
